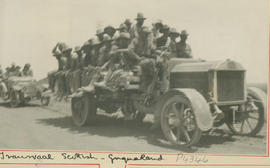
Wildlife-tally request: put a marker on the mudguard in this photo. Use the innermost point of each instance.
(198, 103)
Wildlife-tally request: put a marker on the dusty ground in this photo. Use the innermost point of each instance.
(36, 127)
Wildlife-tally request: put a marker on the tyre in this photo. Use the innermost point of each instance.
(251, 121)
(45, 101)
(178, 121)
(14, 99)
(83, 110)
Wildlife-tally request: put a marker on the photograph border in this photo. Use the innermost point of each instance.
(152, 153)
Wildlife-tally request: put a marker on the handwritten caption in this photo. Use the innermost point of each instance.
(113, 158)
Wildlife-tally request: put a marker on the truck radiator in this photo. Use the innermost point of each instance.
(230, 85)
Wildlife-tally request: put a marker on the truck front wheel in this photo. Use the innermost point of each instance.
(178, 122)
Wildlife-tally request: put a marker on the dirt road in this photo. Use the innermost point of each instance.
(36, 127)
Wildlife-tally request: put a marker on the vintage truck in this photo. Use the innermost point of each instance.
(201, 95)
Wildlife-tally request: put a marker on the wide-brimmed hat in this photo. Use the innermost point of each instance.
(174, 32)
(77, 49)
(123, 35)
(66, 48)
(165, 27)
(88, 43)
(99, 31)
(108, 28)
(128, 21)
(183, 33)
(140, 16)
(122, 26)
(17, 67)
(158, 22)
(27, 65)
(107, 38)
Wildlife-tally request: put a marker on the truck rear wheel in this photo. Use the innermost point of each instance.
(83, 110)
(14, 99)
(178, 121)
(250, 122)
(44, 101)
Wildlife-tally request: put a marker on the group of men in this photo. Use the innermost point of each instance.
(15, 70)
(114, 49)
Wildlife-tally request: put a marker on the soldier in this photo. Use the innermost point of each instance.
(80, 58)
(135, 29)
(120, 61)
(172, 47)
(120, 54)
(122, 28)
(17, 71)
(26, 70)
(109, 30)
(12, 67)
(67, 53)
(183, 49)
(52, 75)
(143, 50)
(104, 52)
(157, 26)
(164, 40)
(128, 24)
(75, 72)
(100, 34)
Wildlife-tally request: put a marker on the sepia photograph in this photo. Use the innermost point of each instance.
(174, 76)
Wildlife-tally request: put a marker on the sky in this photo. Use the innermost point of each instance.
(219, 29)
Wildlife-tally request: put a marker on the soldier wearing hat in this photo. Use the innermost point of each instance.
(122, 28)
(128, 24)
(143, 50)
(65, 76)
(120, 53)
(99, 34)
(109, 30)
(183, 49)
(164, 40)
(157, 26)
(173, 34)
(17, 71)
(26, 70)
(135, 29)
(104, 52)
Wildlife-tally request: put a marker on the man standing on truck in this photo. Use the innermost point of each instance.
(135, 29)
(183, 49)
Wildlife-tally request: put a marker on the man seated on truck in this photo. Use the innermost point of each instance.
(26, 70)
(183, 49)
(143, 49)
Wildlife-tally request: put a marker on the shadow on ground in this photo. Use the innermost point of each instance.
(114, 127)
(7, 105)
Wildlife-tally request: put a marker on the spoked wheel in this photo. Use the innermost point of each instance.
(14, 99)
(178, 122)
(45, 101)
(83, 110)
(251, 120)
